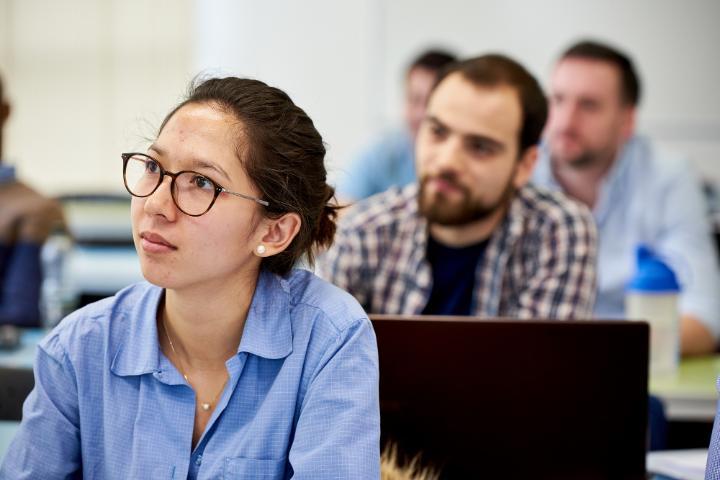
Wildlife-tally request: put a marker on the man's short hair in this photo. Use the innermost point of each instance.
(497, 70)
(592, 50)
(433, 60)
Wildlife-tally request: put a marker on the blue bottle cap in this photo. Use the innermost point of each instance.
(652, 274)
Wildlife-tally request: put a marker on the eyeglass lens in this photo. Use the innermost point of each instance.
(193, 193)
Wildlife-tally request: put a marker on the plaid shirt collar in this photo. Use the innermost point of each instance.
(489, 273)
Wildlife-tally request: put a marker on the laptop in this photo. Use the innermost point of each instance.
(506, 398)
(15, 385)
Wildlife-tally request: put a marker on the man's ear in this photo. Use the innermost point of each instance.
(276, 234)
(628, 122)
(525, 166)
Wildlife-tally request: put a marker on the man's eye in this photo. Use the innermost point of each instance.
(480, 147)
(437, 130)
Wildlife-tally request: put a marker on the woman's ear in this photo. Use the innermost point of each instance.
(276, 234)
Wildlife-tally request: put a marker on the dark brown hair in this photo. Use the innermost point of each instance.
(433, 60)
(629, 81)
(283, 154)
(494, 70)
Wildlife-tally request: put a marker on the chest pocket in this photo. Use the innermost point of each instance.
(241, 467)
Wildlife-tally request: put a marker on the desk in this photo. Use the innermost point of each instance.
(691, 395)
(22, 357)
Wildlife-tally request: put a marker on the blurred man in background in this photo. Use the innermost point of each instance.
(471, 237)
(637, 194)
(391, 160)
(26, 219)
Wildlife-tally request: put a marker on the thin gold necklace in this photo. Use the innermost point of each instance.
(205, 406)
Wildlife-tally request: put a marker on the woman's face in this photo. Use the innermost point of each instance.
(178, 251)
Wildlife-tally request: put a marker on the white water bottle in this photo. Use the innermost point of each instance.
(652, 295)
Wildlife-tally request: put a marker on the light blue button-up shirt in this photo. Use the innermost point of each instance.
(388, 162)
(7, 173)
(301, 400)
(652, 199)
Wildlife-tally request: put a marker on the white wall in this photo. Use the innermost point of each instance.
(90, 78)
(87, 80)
(343, 61)
(326, 55)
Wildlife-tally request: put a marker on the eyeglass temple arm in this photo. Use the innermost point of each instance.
(248, 197)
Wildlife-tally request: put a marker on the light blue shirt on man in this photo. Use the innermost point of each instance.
(652, 199)
(388, 162)
(301, 401)
(7, 173)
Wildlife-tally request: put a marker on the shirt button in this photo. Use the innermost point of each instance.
(198, 460)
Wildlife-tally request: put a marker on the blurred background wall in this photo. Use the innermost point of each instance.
(91, 78)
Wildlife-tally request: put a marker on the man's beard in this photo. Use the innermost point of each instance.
(441, 211)
(586, 158)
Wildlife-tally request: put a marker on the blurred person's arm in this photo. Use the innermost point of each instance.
(687, 243)
(26, 220)
(695, 337)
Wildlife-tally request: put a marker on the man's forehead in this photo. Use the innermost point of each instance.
(474, 109)
(589, 76)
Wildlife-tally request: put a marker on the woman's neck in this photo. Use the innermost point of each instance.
(205, 324)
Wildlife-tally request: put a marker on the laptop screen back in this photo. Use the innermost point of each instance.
(515, 399)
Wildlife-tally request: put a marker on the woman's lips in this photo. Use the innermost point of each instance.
(154, 243)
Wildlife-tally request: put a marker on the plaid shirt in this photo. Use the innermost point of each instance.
(539, 262)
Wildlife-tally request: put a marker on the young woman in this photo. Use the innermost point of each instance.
(227, 363)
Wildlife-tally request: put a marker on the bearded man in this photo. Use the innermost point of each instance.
(471, 237)
(638, 194)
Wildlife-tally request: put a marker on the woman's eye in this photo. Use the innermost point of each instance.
(201, 182)
(151, 166)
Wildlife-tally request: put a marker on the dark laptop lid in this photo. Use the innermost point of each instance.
(516, 399)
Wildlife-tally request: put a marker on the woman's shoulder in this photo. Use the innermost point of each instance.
(311, 295)
(102, 324)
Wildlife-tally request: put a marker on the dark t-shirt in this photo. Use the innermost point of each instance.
(453, 271)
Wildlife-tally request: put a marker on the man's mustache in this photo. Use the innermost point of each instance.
(569, 134)
(447, 176)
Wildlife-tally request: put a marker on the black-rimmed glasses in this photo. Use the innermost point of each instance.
(193, 193)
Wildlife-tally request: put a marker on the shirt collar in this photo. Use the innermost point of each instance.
(138, 349)
(7, 174)
(268, 329)
(267, 332)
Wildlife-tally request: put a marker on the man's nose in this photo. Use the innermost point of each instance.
(563, 116)
(448, 155)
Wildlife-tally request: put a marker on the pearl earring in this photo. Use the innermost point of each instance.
(260, 249)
